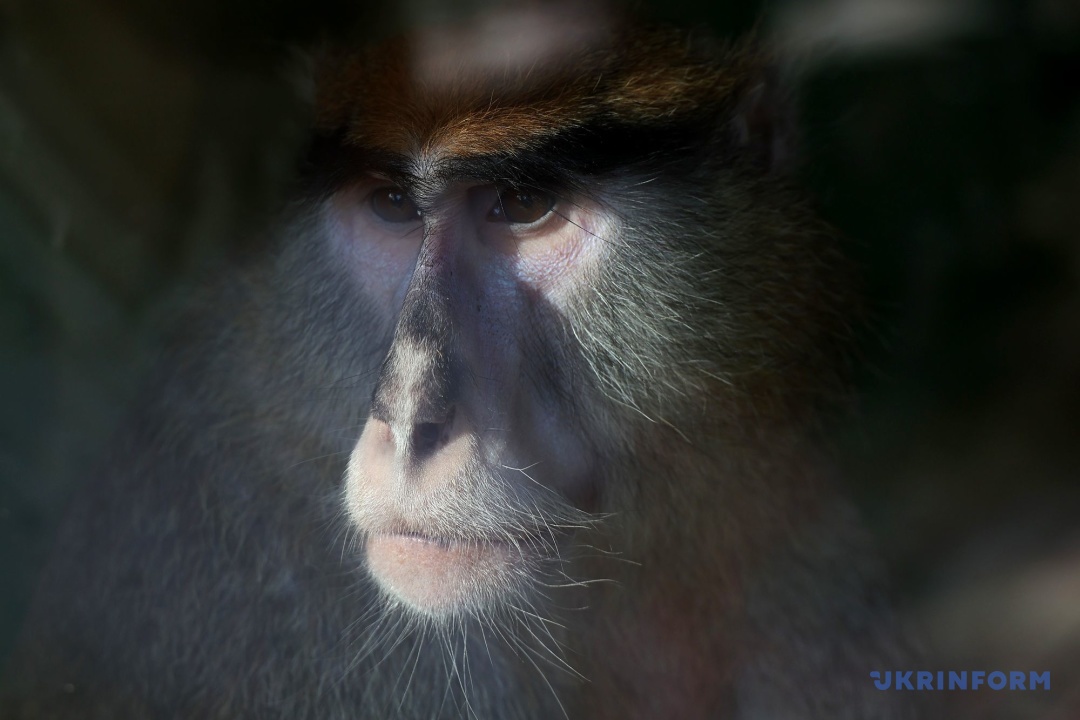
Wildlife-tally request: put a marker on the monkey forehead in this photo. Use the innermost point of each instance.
(460, 93)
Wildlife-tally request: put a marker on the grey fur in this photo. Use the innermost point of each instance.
(208, 570)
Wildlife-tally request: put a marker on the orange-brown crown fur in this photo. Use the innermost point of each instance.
(423, 94)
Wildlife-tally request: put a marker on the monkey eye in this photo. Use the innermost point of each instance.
(521, 206)
(393, 205)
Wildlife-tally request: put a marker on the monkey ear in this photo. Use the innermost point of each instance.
(763, 126)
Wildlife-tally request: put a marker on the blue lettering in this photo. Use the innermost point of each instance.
(960, 679)
(1042, 678)
(877, 679)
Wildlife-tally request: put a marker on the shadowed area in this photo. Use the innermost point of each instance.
(141, 141)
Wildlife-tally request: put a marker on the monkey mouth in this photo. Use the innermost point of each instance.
(448, 535)
(444, 576)
(422, 537)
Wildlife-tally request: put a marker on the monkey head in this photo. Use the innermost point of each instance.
(599, 284)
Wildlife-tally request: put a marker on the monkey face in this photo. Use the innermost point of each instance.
(566, 251)
(471, 455)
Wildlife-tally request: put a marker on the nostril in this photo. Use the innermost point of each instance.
(425, 438)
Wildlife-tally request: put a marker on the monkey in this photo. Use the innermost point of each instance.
(520, 414)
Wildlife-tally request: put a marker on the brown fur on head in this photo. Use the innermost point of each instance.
(437, 91)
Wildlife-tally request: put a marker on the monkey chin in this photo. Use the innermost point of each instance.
(445, 578)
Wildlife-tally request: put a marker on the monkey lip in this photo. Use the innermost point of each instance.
(440, 576)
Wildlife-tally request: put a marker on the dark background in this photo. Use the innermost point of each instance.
(140, 140)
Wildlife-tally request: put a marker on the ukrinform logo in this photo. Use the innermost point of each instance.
(962, 680)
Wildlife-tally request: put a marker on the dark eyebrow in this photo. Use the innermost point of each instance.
(566, 158)
(332, 162)
(560, 162)
(519, 169)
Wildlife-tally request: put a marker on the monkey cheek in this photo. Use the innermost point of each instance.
(442, 578)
